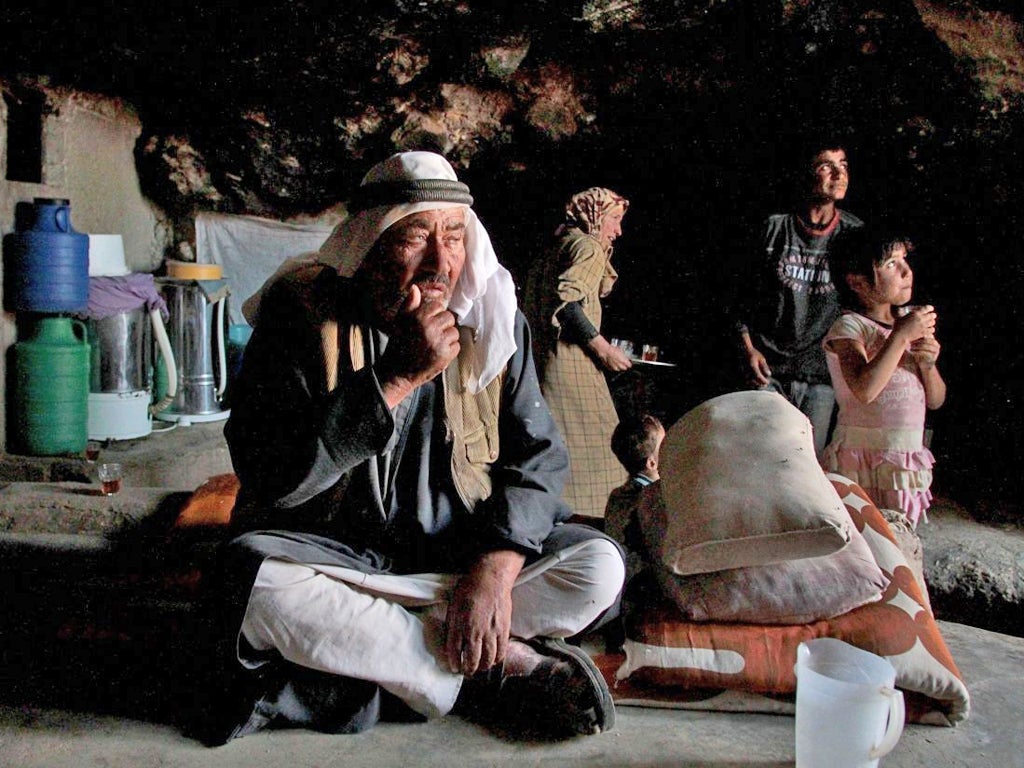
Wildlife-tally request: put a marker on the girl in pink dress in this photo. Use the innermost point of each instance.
(882, 359)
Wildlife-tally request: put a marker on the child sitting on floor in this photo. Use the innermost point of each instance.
(882, 359)
(636, 442)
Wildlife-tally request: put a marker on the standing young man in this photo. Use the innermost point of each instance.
(788, 302)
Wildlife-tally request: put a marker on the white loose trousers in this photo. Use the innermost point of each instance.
(389, 629)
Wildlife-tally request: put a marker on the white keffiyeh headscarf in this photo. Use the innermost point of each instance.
(483, 298)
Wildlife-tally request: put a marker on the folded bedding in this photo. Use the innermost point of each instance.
(672, 660)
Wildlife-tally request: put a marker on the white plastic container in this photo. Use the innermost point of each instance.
(119, 415)
(848, 711)
(106, 256)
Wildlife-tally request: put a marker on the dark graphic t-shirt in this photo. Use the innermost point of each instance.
(792, 301)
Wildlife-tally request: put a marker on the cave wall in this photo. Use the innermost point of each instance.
(688, 107)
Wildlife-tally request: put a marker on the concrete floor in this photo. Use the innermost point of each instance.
(992, 664)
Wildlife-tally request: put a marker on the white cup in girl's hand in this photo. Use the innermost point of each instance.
(906, 309)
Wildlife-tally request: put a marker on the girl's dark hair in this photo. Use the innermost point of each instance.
(858, 253)
(634, 440)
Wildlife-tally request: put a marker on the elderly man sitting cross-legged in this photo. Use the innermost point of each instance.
(406, 551)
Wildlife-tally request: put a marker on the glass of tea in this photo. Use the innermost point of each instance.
(625, 345)
(109, 474)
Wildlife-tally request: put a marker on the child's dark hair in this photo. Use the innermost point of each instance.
(635, 440)
(858, 253)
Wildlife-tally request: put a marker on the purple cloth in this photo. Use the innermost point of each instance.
(109, 296)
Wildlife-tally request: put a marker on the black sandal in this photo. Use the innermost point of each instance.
(564, 696)
(595, 708)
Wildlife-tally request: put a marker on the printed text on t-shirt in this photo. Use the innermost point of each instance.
(805, 271)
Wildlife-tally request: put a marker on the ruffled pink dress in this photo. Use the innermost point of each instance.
(879, 445)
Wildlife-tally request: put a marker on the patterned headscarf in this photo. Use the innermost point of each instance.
(586, 209)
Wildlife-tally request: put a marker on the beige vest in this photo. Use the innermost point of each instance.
(471, 421)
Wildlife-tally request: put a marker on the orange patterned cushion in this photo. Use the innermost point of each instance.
(665, 654)
(210, 504)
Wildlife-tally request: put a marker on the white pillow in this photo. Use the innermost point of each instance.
(741, 487)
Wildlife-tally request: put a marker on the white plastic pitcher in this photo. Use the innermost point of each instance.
(848, 711)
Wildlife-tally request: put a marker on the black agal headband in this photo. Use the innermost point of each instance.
(409, 191)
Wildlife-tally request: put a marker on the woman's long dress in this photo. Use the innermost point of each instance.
(573, 384)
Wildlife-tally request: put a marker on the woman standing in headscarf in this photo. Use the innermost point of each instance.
(563, 302)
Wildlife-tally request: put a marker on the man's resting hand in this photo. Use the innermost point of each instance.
(480, 613)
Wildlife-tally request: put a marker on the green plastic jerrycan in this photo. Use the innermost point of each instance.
(49, 407)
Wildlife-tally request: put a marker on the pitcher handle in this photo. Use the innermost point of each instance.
(62, 218)
(222, 353)
(78, 328)
(164, 345)
(897, 714)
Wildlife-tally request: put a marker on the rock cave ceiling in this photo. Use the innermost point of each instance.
(277, 101)
(278, 108)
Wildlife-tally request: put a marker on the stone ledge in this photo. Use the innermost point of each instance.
(80, 509)
(174, 457)
(975, 572)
